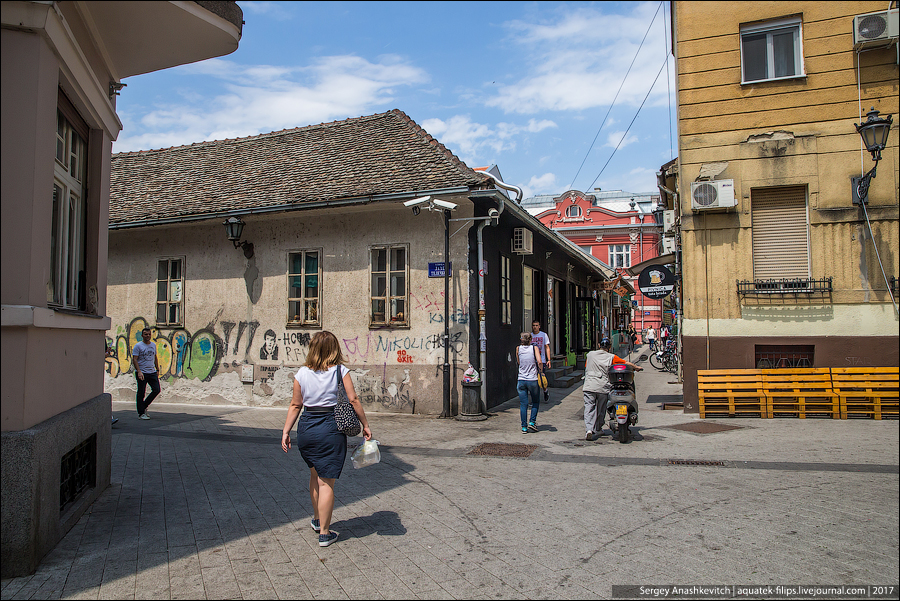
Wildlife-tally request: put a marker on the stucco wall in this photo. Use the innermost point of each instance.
(394, 369)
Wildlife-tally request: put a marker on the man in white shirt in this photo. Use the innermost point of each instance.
(542, 341)
(146, 370)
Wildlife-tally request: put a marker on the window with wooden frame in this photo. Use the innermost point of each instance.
(389, 292)
(67, 285)
(170, 292)
(305, 288)
(573, 211)
(505, 304)
(772, 50)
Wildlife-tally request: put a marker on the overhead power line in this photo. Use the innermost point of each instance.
(625, 135)
(602, 123)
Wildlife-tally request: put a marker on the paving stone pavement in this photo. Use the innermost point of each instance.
(204, 504)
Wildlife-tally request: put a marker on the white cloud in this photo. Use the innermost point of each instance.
(261, 98)
(612, 140)
(477, 143)
(270, 9)
(578, 61)
(542, 183)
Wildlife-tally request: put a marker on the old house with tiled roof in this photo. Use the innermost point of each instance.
(327, 243)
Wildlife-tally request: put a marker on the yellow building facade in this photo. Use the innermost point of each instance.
(780, 267)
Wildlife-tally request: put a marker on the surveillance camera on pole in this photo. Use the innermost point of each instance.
(447, 206)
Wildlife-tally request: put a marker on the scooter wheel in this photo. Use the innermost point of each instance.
(623, 433)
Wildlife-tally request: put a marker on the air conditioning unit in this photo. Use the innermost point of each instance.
(717, 194)
(876, 29)
(668, 245)
(668, 222)
(523, 241)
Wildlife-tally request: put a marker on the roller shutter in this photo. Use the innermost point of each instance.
(780, 233)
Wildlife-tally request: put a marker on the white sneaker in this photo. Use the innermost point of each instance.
(144, 416)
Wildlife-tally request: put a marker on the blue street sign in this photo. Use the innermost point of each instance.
(436, 270)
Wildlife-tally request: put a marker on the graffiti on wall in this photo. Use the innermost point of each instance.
(181, 354)
(390, 395)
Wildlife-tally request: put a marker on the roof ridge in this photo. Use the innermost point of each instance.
(258, 136)
(455, 160)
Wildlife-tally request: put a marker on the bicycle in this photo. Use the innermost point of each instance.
(665, 359)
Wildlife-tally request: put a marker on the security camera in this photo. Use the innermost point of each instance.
(416, 201)
(493, 213)
(444, 204)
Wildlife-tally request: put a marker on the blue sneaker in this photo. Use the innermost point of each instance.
(532, 427)
(314, 524)
(524, 430)
(327, 539)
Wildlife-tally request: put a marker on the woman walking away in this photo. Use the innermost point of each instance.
(529, 360)
(321, 445)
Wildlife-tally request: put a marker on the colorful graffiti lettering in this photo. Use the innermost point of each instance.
(384, 346)
(180, 354)
(403, 357)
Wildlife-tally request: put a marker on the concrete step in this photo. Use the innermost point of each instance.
(568, 380)
(559, 371)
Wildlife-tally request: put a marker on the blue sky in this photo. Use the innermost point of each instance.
(524, 85)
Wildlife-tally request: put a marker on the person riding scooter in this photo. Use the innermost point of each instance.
(597, 386)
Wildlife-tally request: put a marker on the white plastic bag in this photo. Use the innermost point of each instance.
(366, 454)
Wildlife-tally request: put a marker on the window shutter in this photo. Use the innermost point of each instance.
(780, 233)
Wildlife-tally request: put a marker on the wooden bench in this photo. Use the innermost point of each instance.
(800, 392)
(867, 391)
(731, 393)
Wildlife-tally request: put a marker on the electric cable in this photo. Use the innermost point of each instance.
(602, 123)
(625, 135)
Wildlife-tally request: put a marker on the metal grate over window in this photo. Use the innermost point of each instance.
(77, 471)
(784, 356)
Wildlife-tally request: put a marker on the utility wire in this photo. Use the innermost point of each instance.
(602, 123)
(625, 135)
(668, 83)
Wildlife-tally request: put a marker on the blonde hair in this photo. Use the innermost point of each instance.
(525, 338)
(324, 351)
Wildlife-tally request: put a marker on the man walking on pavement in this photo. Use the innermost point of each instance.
(146, 370)
(542, 341)
(596, 386)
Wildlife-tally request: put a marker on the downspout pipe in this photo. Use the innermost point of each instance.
(482, 314)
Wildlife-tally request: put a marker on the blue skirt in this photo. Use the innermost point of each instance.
(320, 444)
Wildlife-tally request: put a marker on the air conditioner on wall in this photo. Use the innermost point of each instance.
(523, 241)
(717, 194)
(876, 29)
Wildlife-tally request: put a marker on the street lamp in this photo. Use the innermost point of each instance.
(874, 133)
(233, 228)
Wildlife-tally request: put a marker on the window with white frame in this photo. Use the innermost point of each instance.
(304, 287)
(67, 286)
(170, 292)
(573, 211)
(772, 50)
(620, 255)
(389, 293)
(505, 304)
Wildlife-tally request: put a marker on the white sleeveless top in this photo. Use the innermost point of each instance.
(319, 388)
(527, 363)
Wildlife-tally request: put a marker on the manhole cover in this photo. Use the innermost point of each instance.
(703, 427)
(693, 462)
(495, 449)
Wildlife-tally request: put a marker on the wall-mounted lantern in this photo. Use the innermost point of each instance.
(874, 133)
(233, 229)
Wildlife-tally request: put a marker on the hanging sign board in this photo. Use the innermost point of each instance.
(656, 282)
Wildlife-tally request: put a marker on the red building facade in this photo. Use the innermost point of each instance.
(619, 229)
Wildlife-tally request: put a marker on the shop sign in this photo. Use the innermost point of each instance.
(656, 282)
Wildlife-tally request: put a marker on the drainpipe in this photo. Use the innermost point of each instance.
(482, 331)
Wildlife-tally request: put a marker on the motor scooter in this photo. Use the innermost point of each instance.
(622, 406)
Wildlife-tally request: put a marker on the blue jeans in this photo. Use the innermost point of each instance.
(153, 381)
(525, 388)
